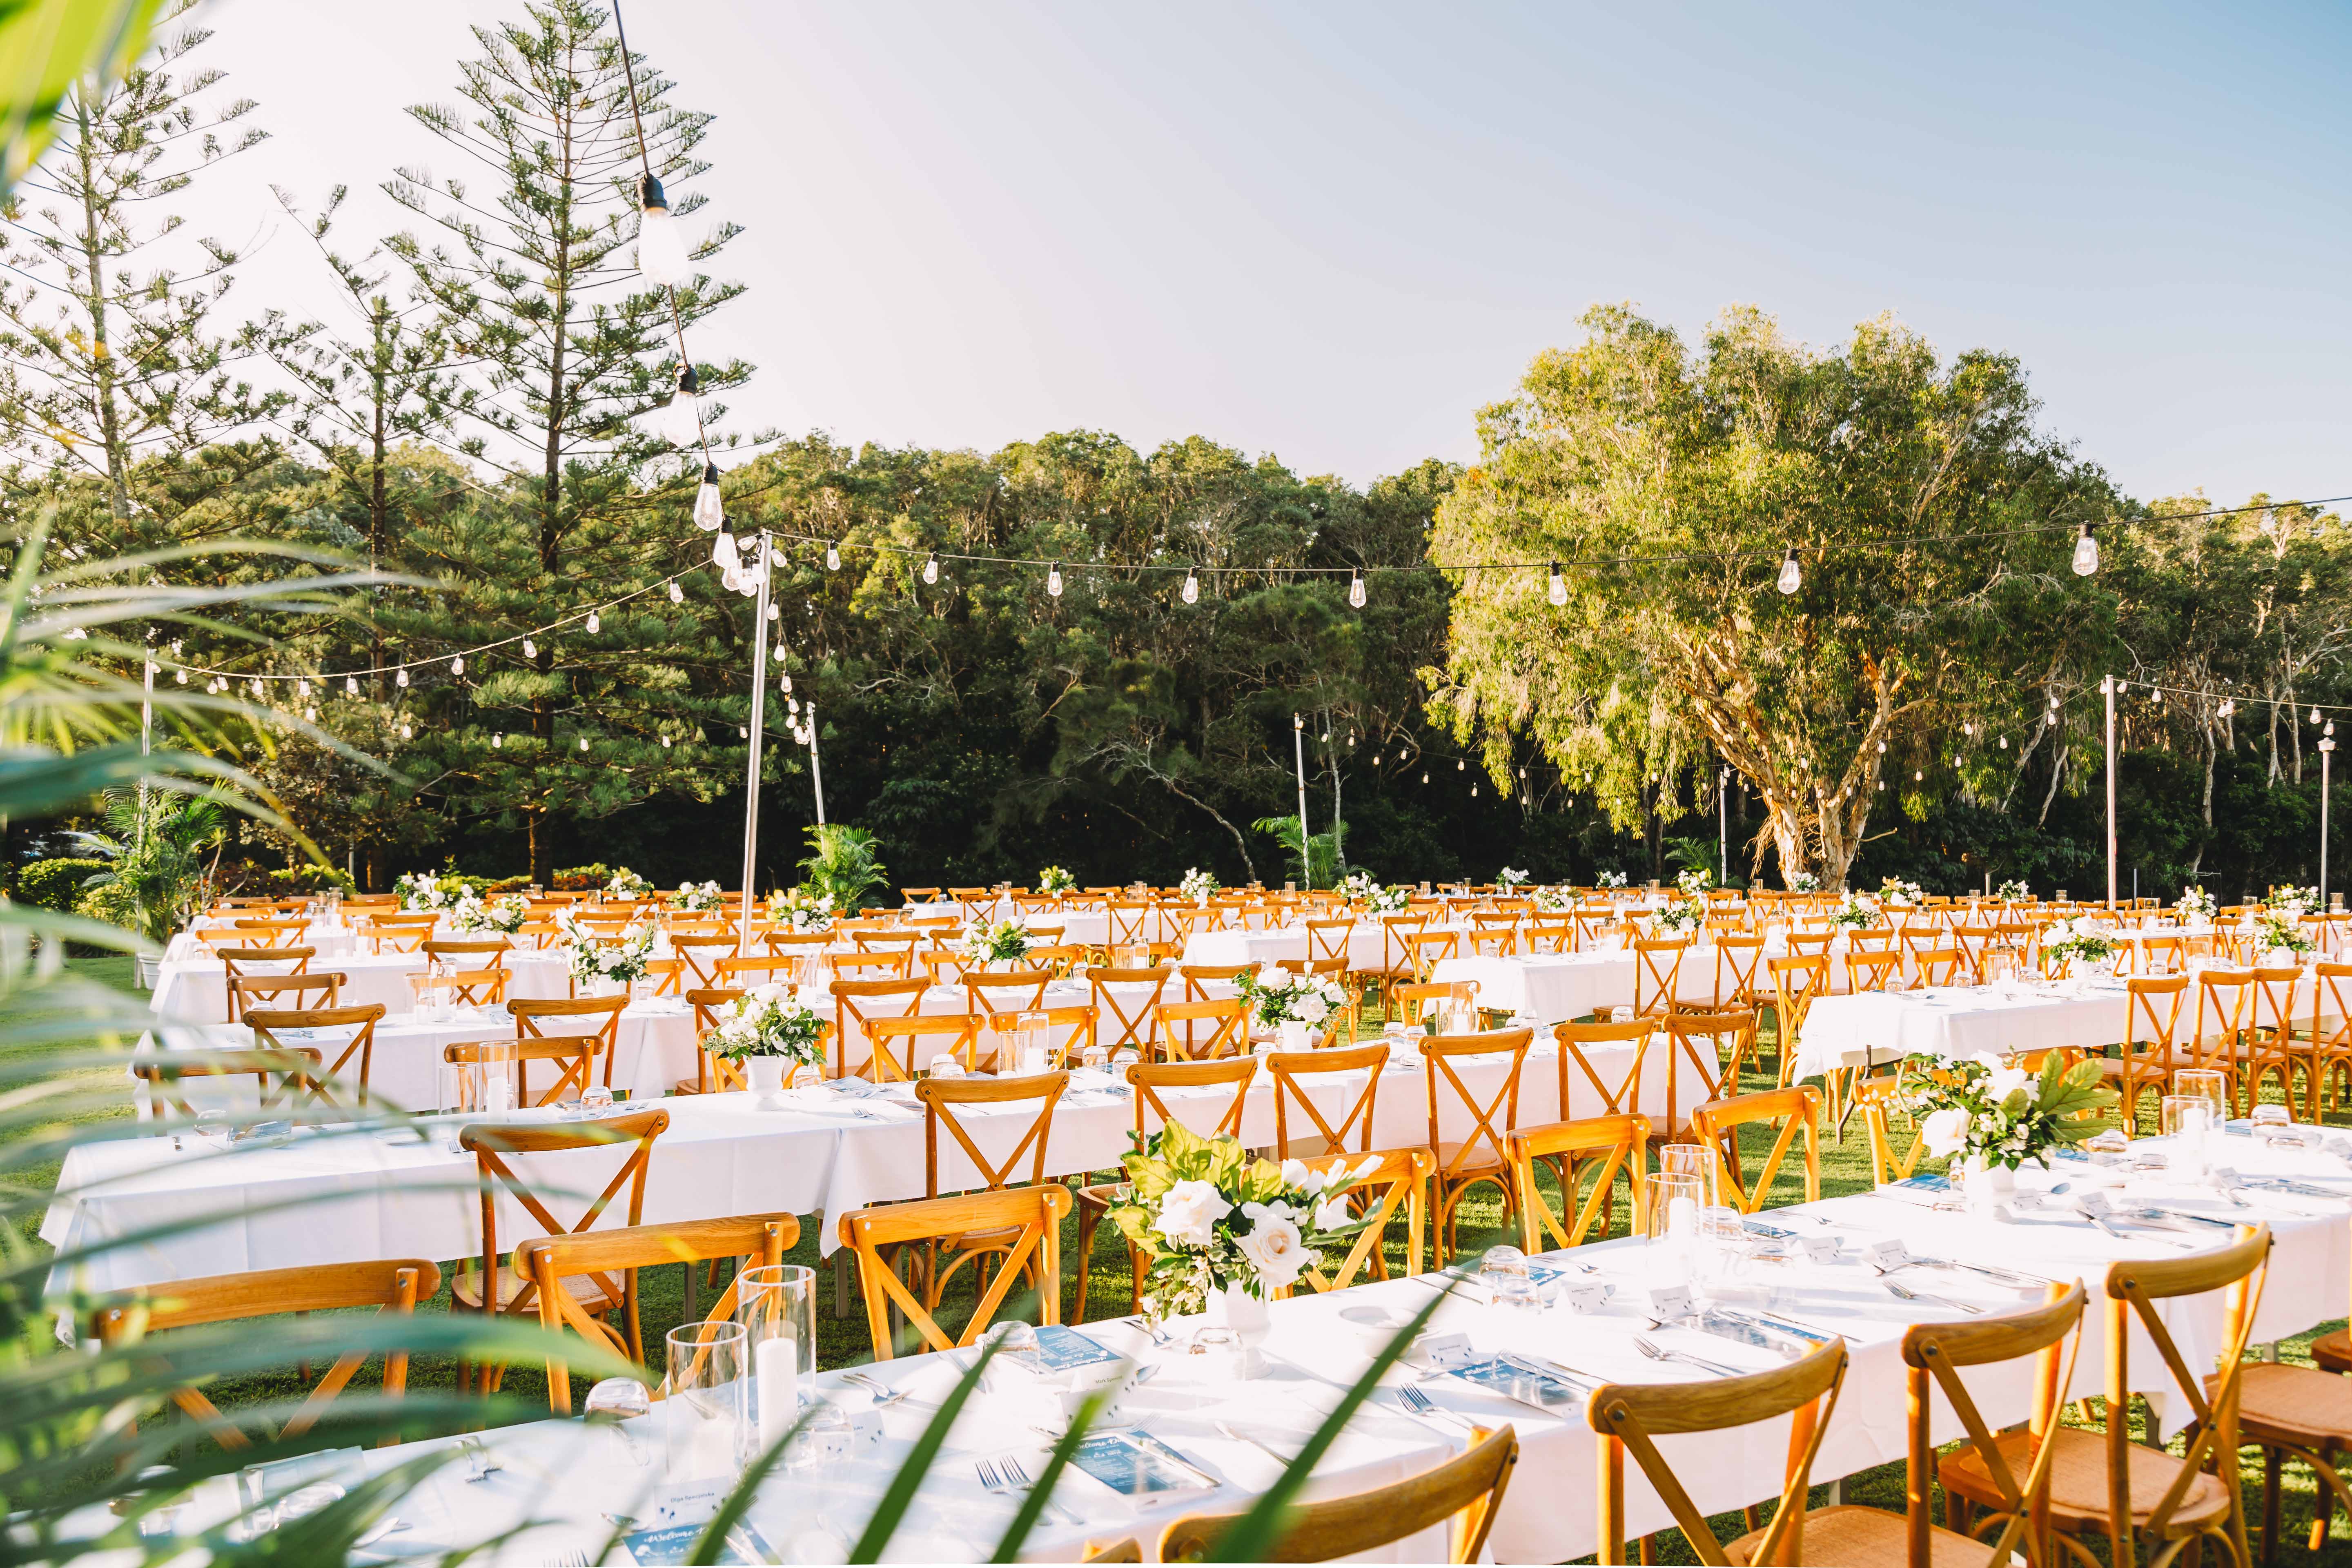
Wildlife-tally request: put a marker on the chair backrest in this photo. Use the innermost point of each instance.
(994, 991)
(897, 964)
(266, 1023)
(1133, 1024)
(296, 1071)
(1198, 976)
(747, 970)
(857, 1002)
(238, 962)
(1793, 1110)
(2225, 1011)
(1895, 1152)
(1425, 949)
(1620, 1089)
(1939, 965)
(1224, 1021)
(1067, 1031)
(1328, 939)
(754, 1240)
(899, 1047)
(1629, 1417)
(491, 952)
(1737, 958)
(477, 987)
(392, 1285)
(1234, 1073)
(1289, 1067)
(1709, 1046)
(1491, 1123)
(1036, 1213)
(490, 1145)
(1657, 969)
(701, 955)
(577, 1051)
(1796, 980)
(246, 989)
(1412, 995)
(1394, 1176)
(1867, 969)
(1465, 1493)
(1601, 1144)
(941, 1096)
(2133, 1289)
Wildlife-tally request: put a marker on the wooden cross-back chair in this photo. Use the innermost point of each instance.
(1130, 921)
(265, 1023)
(899, 1048)
(1292, 1070)
(701, 955)
(744, 971)
(297, 1076)
(551, 1261)
(2149, 1055)
(400, 933)
(2224, 1013)
(250, 958)
(1708, 1047)
(1396, 1176)
(1789, 1112)
(2327, 1040)
(1739, 967)
(1811, 943)
(273, 932)
(577, 1053)
(483, 1285)
(1630, 1418)
(1895, 1151)
(2266, 1045)
(489, 952)
(1972, 940)
(1482, 1157)
(1593, 922)
(539, 935)
(713, 1074)
(1181, 1024)
(1933, 1355)
(882, 940)
(944, 1255)
(1465, 1494)
(1027, 1219)
(475, 987)
(857, 1002)
(1796, 980)
(989, 991)
(1602, 1145)
(1493, 935)
(1621, 1090)
(1868, 969)
(1199, 977)
(1133, 1025)
(1657, 969)
(1057, 959)
(1548, 933)
(1425, 949)
(1145, 1081)
(2095, 1475)
(1328, 939)
(897, 964)
(392, 1286)
(1939, 965)
(244, 990)
(1069, 1032)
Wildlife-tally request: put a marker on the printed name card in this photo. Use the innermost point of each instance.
(1668, 1302)
(1819, 1248)
(1886, 1254)
(2092, 1202)
(1583, 1299)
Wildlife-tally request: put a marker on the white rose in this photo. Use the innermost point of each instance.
(1945, 1131)
(1331, 1212)
(1295, 1173)
(768, 991)
(2006, 1081)
(1190, 1212)
(1279, 979)
(1273, 1246)
(1311, 1008)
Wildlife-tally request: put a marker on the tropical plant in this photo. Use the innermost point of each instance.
(844, 864)
(1320, 867)
(1980, 1106)
(160, 852)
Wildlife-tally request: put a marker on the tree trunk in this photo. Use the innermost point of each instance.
(102, 355)
(542, 864)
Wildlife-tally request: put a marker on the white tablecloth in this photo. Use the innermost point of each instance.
(1370, 947)
(194, 989)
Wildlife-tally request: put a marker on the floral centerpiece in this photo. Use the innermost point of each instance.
(1803, 882)
(1223, 1232)
(419, 892)
(1288, 1002)
(1388, 900)
(1679, 918)
(2276, 931)
(2077, 944)
(593, 959)
(2292, 900)
(767, 1031)
(2010, 891)
(1056, 879)
(2196, 904)
(471, 914)
(800, 910)
(1511, 881)
(1895, 893)
(1002, 943)
(1358, 885)
(1554, 901)
(1855, 912)
(1198, 885)
(1694, 882)
(1989, 1117)
(627, 884)
(697, 896)
(1610, 880)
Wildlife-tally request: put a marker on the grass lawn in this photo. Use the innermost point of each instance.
(843, 1340)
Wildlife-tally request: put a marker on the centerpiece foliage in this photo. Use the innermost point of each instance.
(1208, 1216)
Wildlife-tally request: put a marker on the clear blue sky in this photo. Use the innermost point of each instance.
(1332, 232)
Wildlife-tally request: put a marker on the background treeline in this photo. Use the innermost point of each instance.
(487, 416)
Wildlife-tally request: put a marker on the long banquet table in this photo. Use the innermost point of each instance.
(572, 1477)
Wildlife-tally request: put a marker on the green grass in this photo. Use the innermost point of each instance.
(843, 1340)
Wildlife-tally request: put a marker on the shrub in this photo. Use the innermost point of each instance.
(311, 878)
(506, 885)
(116, 903)
(57, 884)
(579, 879)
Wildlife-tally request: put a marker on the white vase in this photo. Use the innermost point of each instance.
(767, 1078)
(1235, 1308)
(1987, 1186)
(1294, 1034)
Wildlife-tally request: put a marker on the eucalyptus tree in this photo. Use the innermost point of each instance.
(1929, 521)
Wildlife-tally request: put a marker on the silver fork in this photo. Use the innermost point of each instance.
(883, 1394)
(1008, 1475)
(1420, 1403)
(1905, 1293)
(1656, 1351)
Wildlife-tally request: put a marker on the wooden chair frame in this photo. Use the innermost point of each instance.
(1465, 1490)
(577, 1052)
(1228, 1016)
(1484, 1156)
(1030, 1217)
(1653, 990)
(850, 1000)
(1606, 1143)
(1717, 1123)
(1572, 1039)
(1791, 1001)
(243, 988)
(297, 1068)
(1134, 1028)
(230, 957)
(1718, 1071)
(1288, 1067)
(881, 1067)
(265, 1023)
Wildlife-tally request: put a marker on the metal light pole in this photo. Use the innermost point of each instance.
(1722, 828)
(1299, 750)
(2107, 686)
(758, 731)
(816, 771)
(2327, 756)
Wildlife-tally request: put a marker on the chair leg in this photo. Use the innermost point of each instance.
(1087, 1219)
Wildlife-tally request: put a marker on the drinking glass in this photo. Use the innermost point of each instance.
(452, 1087)
(777, 1307)
(1221, 1351)
(2209, 1084)
(1032, 1043)
(615, 1402)
(495, 1082)
(2188, 1120)
(826, 1437)
(1696, 1161)
(706, 1400)
(1724, 1244)
(1671, 1208)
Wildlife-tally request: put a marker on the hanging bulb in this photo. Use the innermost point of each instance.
(1968, 729)
(1191, 586)
(1474, 792)
(584, 742)
(2315, 715)
(724, 554)
(402, 678)
(1376, 759)
(679, 421)
(406, 734)
(664, 742)
(351, 686)
(931, 567)
(775, 612)
(1919, 776)
(832, 557)
(788, 679)
(529, 648)
(677, 594)
(256, 691)
(1882, 748)
(596, 622)
(310, 715)
(661, 249)
(1459, 764)
(497, 743)
(302, 687)
(709, 512)
(730, 580)
(1792, 577)
(2228, 708)
(1356, 589)
(458, 663)
(1054, 580)
(1558, 592)
(2086, 552)
(2331, 727)
(181, 676)
(2004, 743)
(741, 733)
(1424, 778)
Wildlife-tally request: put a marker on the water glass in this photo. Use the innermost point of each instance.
(452, 1087)
(1221, 1352)
(1671, 1208)
(1696, 1161)
(2209, 1084)
(2188, 1120)
(776, 1304)
(1032, 1043)
(707, 1401)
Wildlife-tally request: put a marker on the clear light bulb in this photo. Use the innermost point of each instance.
(1054, 580)
(458, 663)
(724, 554)
(1558, 592)
(1192, 587)
(679, 421)
(730, 579)
(596, 622)
(677, 594)
(709, 512)
(406, 734)
(529, 648)
(584, 742)
(2315, 715)
(2086, 552)
(775, 612)
(351, 686)
(1356, 589)
(302, 687)
(787, 682)
(402, 677)
(832, 557)
(661, 248)
(497, 743)
(1792, 577)
(931, 567)
(664, 742)
(310, 715)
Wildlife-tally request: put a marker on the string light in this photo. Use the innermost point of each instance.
(406, 734)
(596, 622)
(2315, 715)
(679, 421)
(725, 555)
(1191, 586)
(677, 594)
(1356, 589)
(661, 249)
(832, 557)
(584, 742)
(931, 567)
(302, 687)
(402, 677)
(458, 663)
(529, 648)
(351, 686)
(1053, 579)
(709, 512)
(181, 676)
(664, 742)
(1558, 592)
(1792, 577)
(2086, 552)
(497, 743)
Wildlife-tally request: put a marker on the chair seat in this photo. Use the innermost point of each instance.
(2333, 1351)
(2078, 1481)
(1100, 1195)
(466, 1290)
(2279, 1403)
(1484, 1162)
(1856, 1536)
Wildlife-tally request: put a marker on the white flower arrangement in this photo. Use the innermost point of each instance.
(472, 914)
(1679, 918)
(627, 884)
(1208, 1217)
(1895, 893)
(591, 957)
(1282, 997)
(2196, 904)
(2009, 892)
(1056, 879)
(697, 896)
(1198, 884)
(1006, 942)
(2077, 942)
(1855, 912)
(770, 1021)
(1356, 885)
(1511, 881)
(2291, 902)
(1388, 901)
(1554, 901)
(1610, 880)
(800, 910)
(420, 891)
(1982, 1108)
(1804, 882)
(1694, 882)
(2281, 929)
